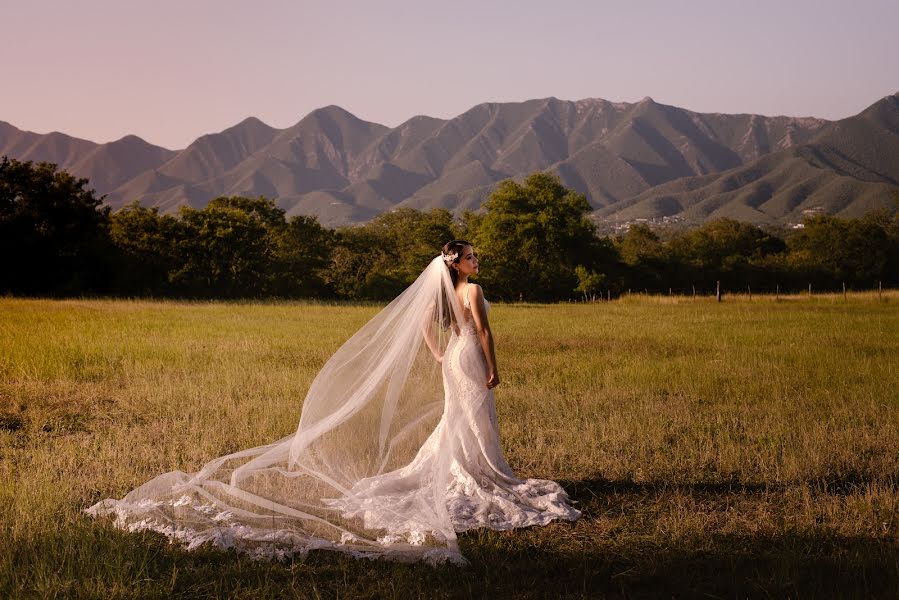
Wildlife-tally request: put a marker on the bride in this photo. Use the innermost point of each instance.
(384, 462)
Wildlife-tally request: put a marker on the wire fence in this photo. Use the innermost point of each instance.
(721, 292)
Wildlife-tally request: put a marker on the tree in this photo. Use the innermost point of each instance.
(589, 282)
(146, 244)
(54, 235)
(227, 248)
(357, 256)
(532, 237)
(725, 250)
(381, 258)
(640, 245)
(302, 253)
(829, 250)
(888, 221)
(411, 239)
(645, 255)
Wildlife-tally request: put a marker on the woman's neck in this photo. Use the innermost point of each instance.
(461, 280)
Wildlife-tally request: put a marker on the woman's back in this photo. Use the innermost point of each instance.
(468, 323)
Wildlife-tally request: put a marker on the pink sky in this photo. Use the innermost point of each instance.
(171, 71)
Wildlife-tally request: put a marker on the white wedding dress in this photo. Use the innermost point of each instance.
(482, 490)
(384, 463)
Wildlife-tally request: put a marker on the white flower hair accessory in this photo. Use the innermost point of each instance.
(450, 258)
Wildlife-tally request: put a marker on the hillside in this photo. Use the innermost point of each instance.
(632, 160)
(848, 168)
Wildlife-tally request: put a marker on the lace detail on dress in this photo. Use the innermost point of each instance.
(262, 543)
(481, 489)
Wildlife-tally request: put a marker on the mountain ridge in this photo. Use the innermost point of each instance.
(632, 160)
(848, 167)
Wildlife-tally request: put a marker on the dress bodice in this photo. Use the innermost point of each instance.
(468, 325)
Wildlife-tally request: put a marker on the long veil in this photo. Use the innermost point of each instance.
(367, 414)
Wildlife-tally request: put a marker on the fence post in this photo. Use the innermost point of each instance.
(718, 290)
(777, 293)
(608, 295)
(879, 290)
(750, 292)
(844, 291)
(809, 290)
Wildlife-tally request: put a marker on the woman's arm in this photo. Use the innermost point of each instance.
(479, 312)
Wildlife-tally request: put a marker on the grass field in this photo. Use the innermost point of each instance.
(741, 449)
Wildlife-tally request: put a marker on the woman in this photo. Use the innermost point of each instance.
(384, 463)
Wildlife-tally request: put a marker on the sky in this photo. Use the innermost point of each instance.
(170, 71)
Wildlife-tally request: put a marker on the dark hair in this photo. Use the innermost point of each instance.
(450, 248)
(454, 247)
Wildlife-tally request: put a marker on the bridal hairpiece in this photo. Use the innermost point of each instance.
(450, 258)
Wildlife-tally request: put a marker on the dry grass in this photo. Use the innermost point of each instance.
(747, 448)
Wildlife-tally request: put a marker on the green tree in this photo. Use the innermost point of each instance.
(725, 250)
(54, 235)
(640, 245)
(532, 237)
(146, 243)
(589, 283)
(357, 256)
(829, 250)
(646, 257)
(411, 239)
(888, 221)
(302, 254)
(381, 258)
(227, 248)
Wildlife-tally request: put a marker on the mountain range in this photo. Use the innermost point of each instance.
(642, 160)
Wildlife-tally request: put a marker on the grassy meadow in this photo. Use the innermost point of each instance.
(741, 449)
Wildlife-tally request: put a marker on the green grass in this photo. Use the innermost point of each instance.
(741, 449)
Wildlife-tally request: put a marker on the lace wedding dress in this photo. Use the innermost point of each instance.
(384, 462)
(482, 490)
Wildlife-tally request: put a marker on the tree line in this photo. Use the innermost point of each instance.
(534, 239)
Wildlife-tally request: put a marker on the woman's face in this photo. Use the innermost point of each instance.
(468, 261)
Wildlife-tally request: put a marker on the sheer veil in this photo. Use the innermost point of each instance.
(368, 413)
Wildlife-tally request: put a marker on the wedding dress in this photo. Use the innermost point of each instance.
(384, 462)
